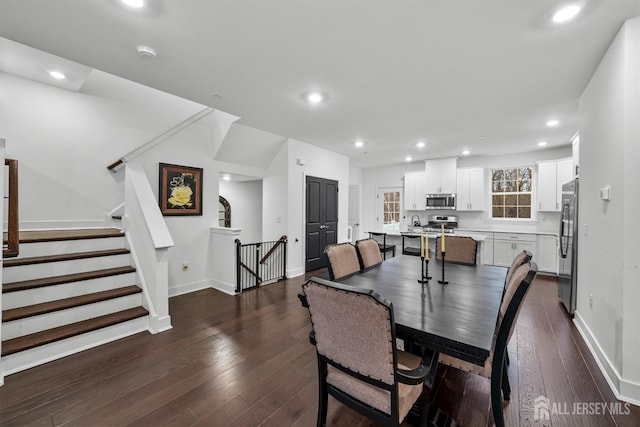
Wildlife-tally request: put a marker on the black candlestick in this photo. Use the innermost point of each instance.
(424, 274)
(444, 282)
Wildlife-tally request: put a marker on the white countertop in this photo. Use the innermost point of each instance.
(460, 233)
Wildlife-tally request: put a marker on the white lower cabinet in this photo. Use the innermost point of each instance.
(507, 245)
(547, 254)
(487, 250)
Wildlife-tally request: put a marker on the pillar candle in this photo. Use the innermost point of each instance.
(422, 244)
(443, 245)
(426, 247)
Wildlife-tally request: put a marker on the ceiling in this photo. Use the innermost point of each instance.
(482, 75)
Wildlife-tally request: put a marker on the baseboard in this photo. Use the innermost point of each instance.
(295, 272)
(227, 288)
(159, 324)
(625, 391)
(187, 288)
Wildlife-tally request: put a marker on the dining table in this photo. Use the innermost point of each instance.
(458, 318)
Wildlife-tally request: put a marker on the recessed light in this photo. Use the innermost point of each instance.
(226, 177)
(542, 143)
(408, 159)
(466, 152)
(57, 75)
(552, 122)
(566, 13)
(315, 97)
(359, 144)
(420, 144)
(134, 3)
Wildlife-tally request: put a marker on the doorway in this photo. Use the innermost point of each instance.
(321, 227)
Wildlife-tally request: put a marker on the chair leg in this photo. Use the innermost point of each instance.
(323, 395)
(506, 387)
(496, 399)
(506, 355)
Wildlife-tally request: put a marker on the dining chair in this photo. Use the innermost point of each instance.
(520, 258)
(410, 250)
(384, 248)
(458, 249)
(342, 260)
(353, 331)
(495, 366)
(368, 253)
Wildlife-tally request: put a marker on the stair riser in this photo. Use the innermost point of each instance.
(30, 325)
(37, 356)
(70, 246)
(65, 290)
(50, 269)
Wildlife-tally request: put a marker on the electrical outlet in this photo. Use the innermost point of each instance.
(185, 265)
(591, 300)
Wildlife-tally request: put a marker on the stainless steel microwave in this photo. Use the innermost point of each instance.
(441, 201)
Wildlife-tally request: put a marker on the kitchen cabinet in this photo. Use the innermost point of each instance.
(470, 189)
(507, 245)
(414, 191)
(441, 175)
(547, 254)
(487, 250)
(551, 175)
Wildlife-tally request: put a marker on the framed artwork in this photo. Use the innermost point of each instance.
(180, 190)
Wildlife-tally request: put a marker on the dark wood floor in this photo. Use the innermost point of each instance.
(246, 361)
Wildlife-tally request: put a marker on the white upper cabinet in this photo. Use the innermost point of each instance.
(441, 175)
(470, 189)
(551, 176)
(414, 191)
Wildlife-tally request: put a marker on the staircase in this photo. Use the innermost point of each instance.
(67, 291)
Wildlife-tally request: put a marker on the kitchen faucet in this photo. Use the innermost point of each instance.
(415, 223)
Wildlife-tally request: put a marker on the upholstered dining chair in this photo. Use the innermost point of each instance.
(520, 258)
(368, 253)
(495, 366)
(354, 333)
(384, 247)
(458, 249)
(342, 260)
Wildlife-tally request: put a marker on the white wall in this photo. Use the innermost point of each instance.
(191, 234)
(64, 140)
(245, 199)
(319, 163)
(609, 251)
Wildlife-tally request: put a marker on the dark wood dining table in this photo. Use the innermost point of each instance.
(458, 318)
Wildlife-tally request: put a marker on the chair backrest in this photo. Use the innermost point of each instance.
(368, 253)
(515, 292)
(520, 258)
(458, 249)
(342, 260)
(353, 328)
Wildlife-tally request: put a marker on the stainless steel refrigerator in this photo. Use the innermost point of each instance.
(568, 253)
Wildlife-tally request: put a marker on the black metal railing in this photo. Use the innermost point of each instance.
(260, 263)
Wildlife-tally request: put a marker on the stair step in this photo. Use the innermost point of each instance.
(58, 280)
(48, 307)
(36, 236)
(37, 339)
(63, 257)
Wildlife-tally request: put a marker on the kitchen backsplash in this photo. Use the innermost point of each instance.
(545, 222)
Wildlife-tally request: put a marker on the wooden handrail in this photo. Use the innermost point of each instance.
(253, 273)
(12, 244)
(282, 239)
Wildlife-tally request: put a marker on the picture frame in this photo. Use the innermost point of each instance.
(180, 190)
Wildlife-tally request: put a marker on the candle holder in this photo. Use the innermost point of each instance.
(424, 273)
(443, 282)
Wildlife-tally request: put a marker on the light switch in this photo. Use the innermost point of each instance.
(585, 229)
(605, 193)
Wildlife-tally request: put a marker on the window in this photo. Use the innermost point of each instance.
(511, 192)
(390, 209)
